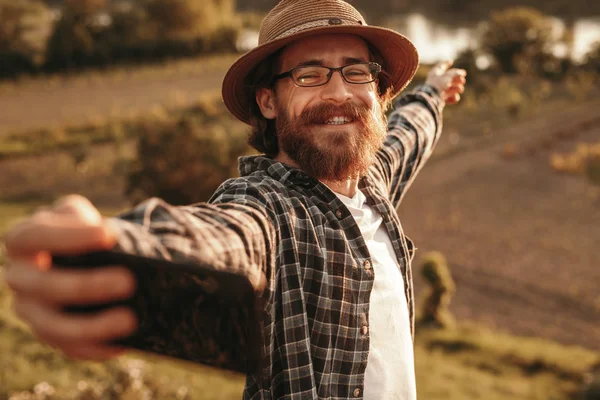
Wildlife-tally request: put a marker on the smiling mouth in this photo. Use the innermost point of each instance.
(338, 121)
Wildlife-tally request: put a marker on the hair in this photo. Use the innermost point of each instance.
(263, 136)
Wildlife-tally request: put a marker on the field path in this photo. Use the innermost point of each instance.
(521, 240)
(57, 101)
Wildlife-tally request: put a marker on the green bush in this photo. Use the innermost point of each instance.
(521, 40)
(184, 159)
(435, 312)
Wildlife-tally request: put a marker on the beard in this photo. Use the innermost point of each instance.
(328, 152)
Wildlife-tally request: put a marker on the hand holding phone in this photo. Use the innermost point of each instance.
(185, 310)
(182, 312)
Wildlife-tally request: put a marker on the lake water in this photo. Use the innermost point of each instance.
(437, 42)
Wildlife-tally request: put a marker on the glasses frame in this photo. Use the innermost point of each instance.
(374, 66)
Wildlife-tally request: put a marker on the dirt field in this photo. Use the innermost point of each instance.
(522, 241)
(59, 101)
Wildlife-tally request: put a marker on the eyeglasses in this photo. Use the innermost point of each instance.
(317, 75)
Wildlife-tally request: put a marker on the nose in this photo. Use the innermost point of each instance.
(337, 90)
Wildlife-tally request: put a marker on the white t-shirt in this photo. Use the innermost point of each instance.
(390, 372)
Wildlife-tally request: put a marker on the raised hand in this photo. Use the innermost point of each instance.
(450, 82)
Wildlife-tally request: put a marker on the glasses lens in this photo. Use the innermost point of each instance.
(360, 73)
(310, 75)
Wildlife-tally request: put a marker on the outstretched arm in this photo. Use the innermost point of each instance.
(237, 236)
(414, 127)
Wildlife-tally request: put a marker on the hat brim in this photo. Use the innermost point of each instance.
(401, 61)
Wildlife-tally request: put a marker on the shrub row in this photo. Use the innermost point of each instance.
(181, 155)
(83, 33)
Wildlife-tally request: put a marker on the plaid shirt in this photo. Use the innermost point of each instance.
(278, 221)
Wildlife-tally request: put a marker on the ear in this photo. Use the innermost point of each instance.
(265, 98)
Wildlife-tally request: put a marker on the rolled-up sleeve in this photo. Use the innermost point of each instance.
(233, 236)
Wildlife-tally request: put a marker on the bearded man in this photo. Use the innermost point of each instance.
(313, 216)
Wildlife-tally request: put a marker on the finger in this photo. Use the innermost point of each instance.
(72, 287)
(79, 206)
(90, 351)
(453, 99)
(456, 72)
(459, 79)
(54, 326)
(455, 89)
(11, 253)
(40, 260)
(57, 234)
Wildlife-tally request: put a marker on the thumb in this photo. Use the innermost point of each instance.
(79, 207)
(444, 65)
(71, 226)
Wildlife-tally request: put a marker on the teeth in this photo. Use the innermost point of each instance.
(338, 121)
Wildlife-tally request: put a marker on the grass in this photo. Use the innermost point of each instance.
(467, 363)
(28, 366)
(474, 363)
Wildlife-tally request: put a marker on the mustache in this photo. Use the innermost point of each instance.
(323, 112)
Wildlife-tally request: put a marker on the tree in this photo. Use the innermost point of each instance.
(188, 19)
(521, 39)
(73, 41)
(24, 31)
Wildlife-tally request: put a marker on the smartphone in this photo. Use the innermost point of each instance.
(185, 310)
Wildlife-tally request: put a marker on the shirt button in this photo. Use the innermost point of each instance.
(367, 264)
(338, 213)
(357, 392)
(364, 330)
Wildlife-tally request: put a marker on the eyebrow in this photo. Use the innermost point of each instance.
(315, 61)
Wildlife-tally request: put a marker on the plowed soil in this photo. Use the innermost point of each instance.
(521, 240)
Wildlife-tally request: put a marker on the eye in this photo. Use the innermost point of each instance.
(310, 75)
(356, 72)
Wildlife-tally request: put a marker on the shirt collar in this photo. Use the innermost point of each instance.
(281, 172)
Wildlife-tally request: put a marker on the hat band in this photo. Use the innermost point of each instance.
(316, 24)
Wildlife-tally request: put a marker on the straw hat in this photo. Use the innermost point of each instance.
(291, 20)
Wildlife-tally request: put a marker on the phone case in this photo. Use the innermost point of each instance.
(185, 310)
